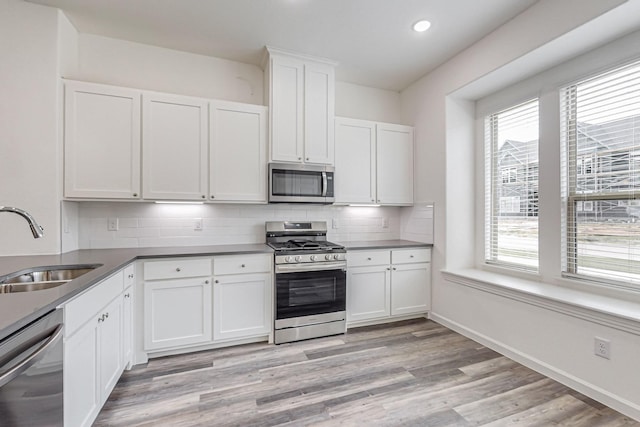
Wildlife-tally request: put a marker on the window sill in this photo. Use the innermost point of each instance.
(612, 312)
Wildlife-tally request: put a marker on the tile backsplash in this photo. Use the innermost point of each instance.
(151, 224)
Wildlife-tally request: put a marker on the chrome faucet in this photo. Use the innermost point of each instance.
(36, 230)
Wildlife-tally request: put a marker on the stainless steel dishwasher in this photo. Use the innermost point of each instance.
(31, 374)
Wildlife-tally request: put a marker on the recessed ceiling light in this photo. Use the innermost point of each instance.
(421, 26)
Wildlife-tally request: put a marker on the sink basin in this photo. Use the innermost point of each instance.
(39, 278)
(9, 288)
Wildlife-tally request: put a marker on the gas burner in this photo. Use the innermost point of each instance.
(306, 240)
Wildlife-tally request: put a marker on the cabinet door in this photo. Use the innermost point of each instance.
(81, 388)
(394, 164)
(101, 142)
(174, 147)
(319, 106)
(242, 305)
(177, 313)
(410, 288)
(110, 348)
(355, 142)
(127, 327)
(368, 293)
(286, 109)
(238, 152)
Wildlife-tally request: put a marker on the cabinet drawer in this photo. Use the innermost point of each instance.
(239, 264)
(406, 256)
(177, 268)
(364, 258)
(80, 310)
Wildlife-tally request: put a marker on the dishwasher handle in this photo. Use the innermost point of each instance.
(51, 339)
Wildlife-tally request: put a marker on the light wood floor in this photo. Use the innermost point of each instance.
(414, 373)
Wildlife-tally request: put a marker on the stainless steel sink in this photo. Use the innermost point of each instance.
(39, 278)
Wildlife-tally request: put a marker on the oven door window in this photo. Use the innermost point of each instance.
(309, 293)
(296, 183)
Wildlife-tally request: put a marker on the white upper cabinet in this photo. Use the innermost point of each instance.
(374, 163)
(238, 152)
(319, 111)
(102, 141)
(355, 161)
(394, 164)
(301, 93)
(174, 146)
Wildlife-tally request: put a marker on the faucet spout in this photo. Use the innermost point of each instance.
(36, 229)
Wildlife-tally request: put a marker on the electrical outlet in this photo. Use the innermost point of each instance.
(602, 348)
(335, 223)
(112, 224)
(197, 225)
(385, 222)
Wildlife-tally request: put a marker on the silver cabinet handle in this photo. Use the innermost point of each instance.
(242, 266)
(135, 194)
(410, 256)
(369, 259)
(217, 281)
(127, 296)
(206, 282)
(394, 268)
(31, 360)
(178, 269)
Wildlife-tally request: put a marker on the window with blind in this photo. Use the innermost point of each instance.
(601, 171)
(511, 187)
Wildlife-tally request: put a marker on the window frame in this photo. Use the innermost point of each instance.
(574, 199)
(494, 180)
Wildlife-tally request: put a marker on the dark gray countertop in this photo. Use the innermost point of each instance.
(21, 308)
(384, 244)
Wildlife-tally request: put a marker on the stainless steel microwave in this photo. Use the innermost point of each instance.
(299, 183)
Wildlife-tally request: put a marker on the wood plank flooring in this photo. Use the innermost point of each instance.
(412, 373)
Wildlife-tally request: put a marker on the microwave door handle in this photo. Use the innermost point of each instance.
(324, 184)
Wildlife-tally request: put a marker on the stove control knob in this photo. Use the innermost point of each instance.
(298, 258)
(287, 259)
(327, 257)
(314, 257)
(336, 256)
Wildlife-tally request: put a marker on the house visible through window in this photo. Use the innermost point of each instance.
(511, 188)
(601, 172)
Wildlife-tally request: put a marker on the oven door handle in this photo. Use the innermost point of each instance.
(310, 267)
(52, 338)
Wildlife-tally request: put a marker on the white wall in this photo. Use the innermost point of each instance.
(446, 152)
(150, 224)
(124, 63)
(29, 168)
(367, 103)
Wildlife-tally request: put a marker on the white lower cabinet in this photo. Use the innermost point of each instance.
(177, 303)
(242, 296)
(81, 385)
(368, 293)
(93, 350)
(382, 284)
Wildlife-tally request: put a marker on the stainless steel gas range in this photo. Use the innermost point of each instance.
(310, 281)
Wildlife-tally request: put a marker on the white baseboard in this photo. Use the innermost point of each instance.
(603, 396)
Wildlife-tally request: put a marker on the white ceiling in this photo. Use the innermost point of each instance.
(372, 40)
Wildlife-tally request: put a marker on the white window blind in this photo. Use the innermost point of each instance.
(511, 187)
(601, 173)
